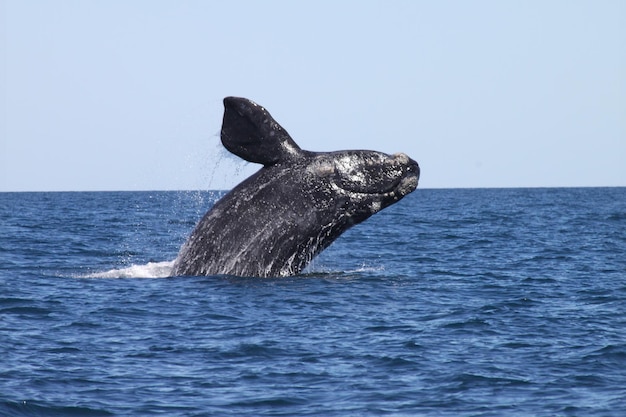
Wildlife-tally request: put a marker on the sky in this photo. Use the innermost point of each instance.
(127, 95)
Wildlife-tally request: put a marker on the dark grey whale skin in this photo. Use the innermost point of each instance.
(277, 220)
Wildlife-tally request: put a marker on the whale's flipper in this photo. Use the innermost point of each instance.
(250, 132)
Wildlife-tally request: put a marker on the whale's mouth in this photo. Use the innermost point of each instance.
(406, 184)
(409, 178)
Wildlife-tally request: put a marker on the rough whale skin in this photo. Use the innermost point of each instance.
(276, 221)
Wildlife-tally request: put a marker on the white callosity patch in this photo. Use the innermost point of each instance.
(407, 185)
(321, 167)
(401, 158)
(351, 169)
(376, 206)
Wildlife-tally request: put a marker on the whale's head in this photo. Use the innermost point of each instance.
(365, 181)
(277, 220)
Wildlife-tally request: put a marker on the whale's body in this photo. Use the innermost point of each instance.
(277, 220)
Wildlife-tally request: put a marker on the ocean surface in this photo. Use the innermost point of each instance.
(468, 302)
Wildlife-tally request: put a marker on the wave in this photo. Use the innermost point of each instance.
(31, 408)
(368, 268)
(149, 270)
(164, 269)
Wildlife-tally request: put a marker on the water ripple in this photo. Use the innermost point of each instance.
(455, 302)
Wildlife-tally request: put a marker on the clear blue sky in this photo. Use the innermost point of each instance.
(127, 95)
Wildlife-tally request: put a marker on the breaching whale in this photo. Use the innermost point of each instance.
(298, 203)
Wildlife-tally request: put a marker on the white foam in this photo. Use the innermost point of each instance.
(149, 270)
(367, 268)
(315, 267)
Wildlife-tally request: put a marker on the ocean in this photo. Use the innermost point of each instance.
(456, 302)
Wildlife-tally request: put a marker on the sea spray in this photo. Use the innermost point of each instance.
(149, 270)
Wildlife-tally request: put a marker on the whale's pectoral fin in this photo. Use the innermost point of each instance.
(250, 132)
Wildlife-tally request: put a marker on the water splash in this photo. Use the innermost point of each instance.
(149, 270)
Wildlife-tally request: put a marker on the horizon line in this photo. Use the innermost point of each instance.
(229, 189)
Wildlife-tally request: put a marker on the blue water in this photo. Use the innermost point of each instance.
(494, 302)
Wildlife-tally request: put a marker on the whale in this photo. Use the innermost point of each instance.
(276, 221)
